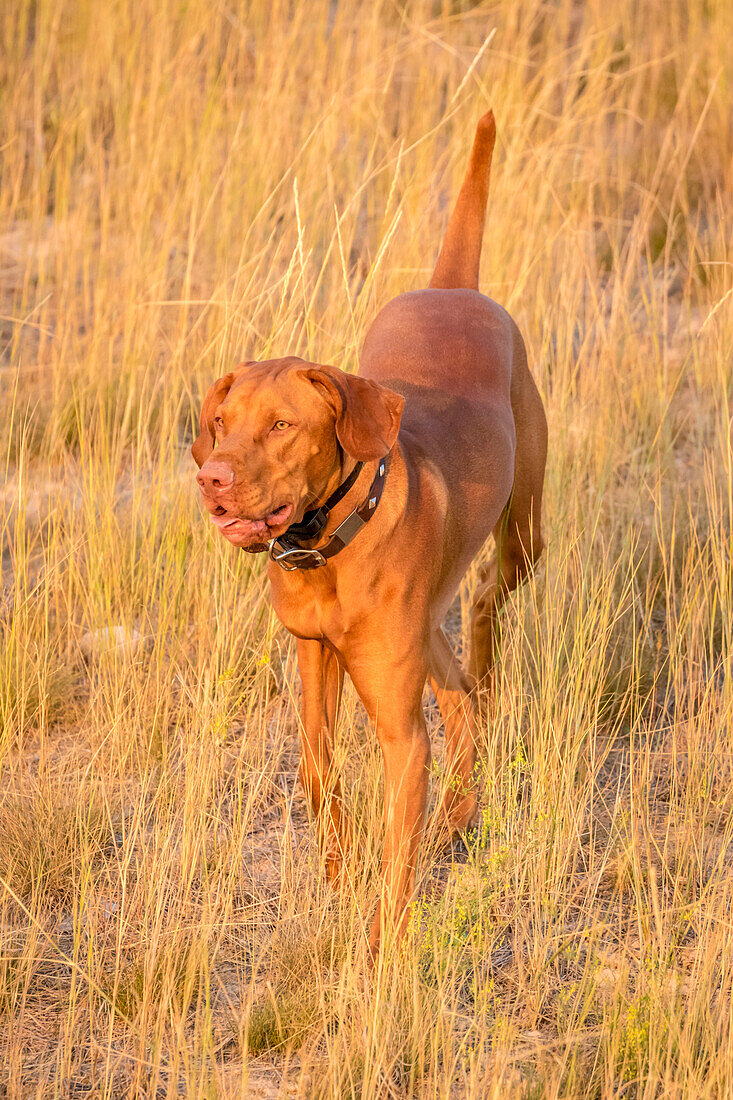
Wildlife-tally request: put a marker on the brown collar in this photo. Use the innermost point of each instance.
(289, 553)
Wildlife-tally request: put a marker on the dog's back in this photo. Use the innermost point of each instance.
(450, 351)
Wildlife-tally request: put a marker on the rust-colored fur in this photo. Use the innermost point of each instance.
(469, 460)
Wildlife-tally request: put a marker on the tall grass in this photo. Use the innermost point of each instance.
(184, 185)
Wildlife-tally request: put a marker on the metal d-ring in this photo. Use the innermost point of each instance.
(295, 557)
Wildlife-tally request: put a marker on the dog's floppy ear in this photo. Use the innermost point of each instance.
(203, 445)
(367, 414)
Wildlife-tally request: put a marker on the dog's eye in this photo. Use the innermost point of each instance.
(280, 426)
(218, 421)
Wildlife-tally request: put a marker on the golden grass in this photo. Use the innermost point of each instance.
(187, 184)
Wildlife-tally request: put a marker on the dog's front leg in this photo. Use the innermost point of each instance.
(391, 689)
(322, 680)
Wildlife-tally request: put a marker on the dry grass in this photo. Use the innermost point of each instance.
(184, 184)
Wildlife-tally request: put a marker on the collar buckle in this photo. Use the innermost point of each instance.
(289, 556)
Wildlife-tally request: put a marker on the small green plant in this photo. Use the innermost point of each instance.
(282, 1018)
(49, 836)
(633, 1040)
(165, 977)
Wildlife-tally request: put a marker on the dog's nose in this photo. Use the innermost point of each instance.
(215, 477)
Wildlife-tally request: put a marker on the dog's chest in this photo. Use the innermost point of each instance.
(308, 608)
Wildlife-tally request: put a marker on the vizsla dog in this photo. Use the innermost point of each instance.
(372, 494)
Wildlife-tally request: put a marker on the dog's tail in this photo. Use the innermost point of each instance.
(459, 258)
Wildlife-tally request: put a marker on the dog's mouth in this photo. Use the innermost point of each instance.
(252, 533)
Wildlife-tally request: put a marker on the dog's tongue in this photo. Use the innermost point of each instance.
(245, 527)
(253, 528)
(280, 515)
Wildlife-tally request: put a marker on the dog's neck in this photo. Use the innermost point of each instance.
(321, 535)
(350, 500)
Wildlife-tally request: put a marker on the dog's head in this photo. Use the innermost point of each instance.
(272, 440)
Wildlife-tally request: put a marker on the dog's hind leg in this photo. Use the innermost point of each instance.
(517, 534)
(452, 689)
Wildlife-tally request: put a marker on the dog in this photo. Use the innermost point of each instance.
(372, 494)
